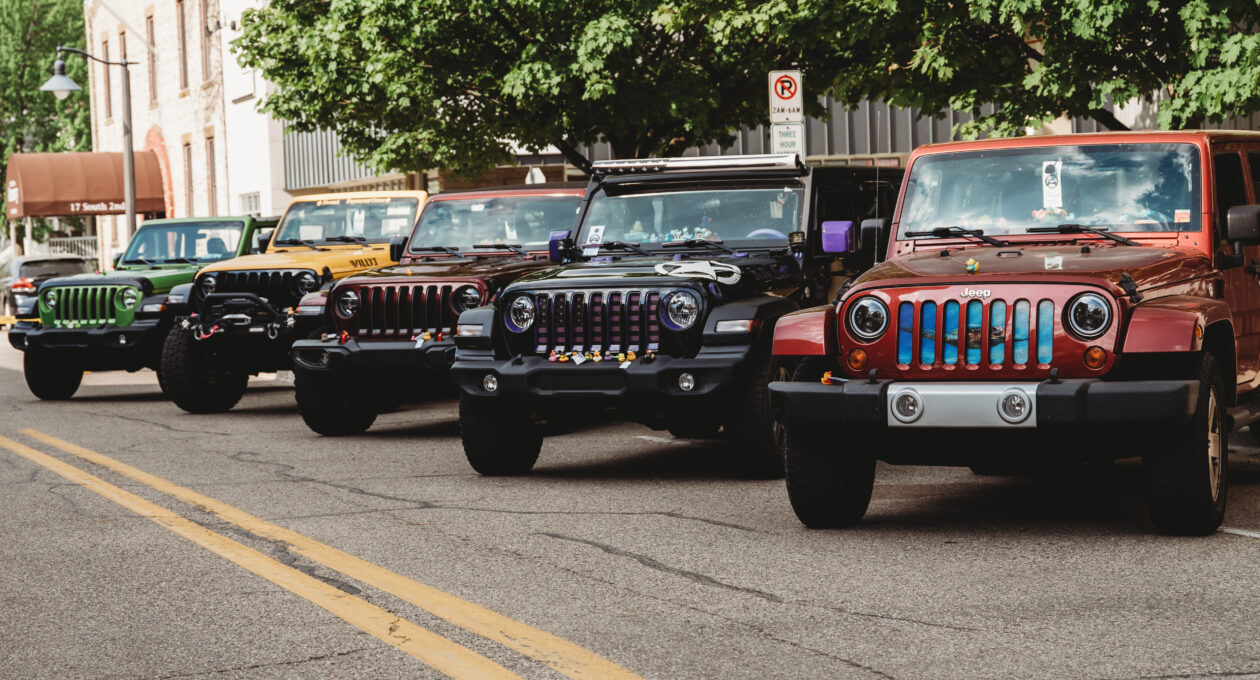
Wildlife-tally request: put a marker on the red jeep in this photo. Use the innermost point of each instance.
(1060, 299)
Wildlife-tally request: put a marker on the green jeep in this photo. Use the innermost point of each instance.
(117, 321)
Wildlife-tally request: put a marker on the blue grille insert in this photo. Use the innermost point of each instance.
(927, 334)
(975, 331)
(1045, 331)
(1019, 336)
(949, 350)
(997, 332)
(905, 333)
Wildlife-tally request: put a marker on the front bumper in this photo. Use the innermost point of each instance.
(245, 315)
(532, 378)
(102, 348)
(1053, 404)
(356, 354)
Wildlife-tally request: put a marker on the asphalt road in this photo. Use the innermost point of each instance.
(625, 553)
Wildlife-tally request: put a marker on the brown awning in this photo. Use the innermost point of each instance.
(79, 183)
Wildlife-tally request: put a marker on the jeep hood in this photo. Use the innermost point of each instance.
(727, 272)
(341, 259)
(1149, 266)
(152, 280)
(459, 268)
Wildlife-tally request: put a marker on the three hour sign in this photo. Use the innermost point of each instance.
(787, 113)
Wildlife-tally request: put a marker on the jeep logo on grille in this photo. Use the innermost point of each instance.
(975, 293)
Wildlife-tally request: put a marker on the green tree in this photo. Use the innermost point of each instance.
(31, 120)
(1039, 59)
(416, 84)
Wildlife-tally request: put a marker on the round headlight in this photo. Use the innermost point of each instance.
(680, 311)
(209, 283)
(520, 314)
(868, 318)
(129, 298)
(1089, 315)
(348, 302)
(465, 298)
(307, 283)
(50, 298)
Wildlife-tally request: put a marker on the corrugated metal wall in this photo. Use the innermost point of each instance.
(311, 159)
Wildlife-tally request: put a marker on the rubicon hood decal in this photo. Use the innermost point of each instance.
(700, 269)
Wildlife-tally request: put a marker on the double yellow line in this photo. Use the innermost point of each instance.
(442, 654)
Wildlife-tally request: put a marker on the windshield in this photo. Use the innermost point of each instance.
(745, 214)
(43, 269)
(184, 242)
(525, 221)
(348, 219)
(1122, 187)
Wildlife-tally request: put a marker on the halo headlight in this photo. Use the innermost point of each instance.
(50, 298)
(348, 303)
(1088, 315)
(208, 283)
(129, 298)
(681, 310)
(465, 299)
(307, 283)
(520, 314)
(868, 318)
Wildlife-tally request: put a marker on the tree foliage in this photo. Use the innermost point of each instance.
(31, 120)
(415, 84)
(1040, 59)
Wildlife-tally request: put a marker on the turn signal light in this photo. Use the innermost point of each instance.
(857, 359)
(1095, 357)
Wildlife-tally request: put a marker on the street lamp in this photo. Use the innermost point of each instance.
(61, 86)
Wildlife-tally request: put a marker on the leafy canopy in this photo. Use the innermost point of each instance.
(416, 84)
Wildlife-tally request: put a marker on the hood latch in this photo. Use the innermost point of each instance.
(1130, 288)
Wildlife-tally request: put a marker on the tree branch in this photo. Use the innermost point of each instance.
(1107, 119)
(573, 156)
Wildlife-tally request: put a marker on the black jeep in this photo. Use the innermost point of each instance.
(674, 278)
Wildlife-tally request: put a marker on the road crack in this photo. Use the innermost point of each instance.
(274, 664)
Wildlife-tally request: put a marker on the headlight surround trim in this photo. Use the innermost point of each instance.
(680, 310)
(465, 298)
(520, 314)
(347, 303)
(1095, 315)
(128, 298)
(208, 284)
(859, 327)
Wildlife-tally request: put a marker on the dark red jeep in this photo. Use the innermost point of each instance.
(394, 327)
(1059, 299)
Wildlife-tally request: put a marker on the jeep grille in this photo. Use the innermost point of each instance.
(972, 333)
(278, 286)
(597, 320)
(402, 310)
(86, 305)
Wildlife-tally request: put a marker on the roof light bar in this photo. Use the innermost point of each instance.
(764, 161)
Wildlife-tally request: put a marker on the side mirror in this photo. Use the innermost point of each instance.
(838, 237)
(874, 238)
(558, 246)
(264, 239)
(396, 246)
(1242, 224)
(117, 259)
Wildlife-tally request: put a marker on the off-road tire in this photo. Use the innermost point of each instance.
(332, 405)
(828, 486)
(754, 437)
(498, 440)
(188, 376)
(1183, 464)
(51, 377)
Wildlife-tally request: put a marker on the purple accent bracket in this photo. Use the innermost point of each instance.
(553, 244)
(837, 236)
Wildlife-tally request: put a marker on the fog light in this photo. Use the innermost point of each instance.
(686, 382)
(490, 383)
(857, 359)
(907, 406)
(1014, 406)
(1095, 357)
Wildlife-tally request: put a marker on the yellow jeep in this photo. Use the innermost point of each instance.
(239, 317)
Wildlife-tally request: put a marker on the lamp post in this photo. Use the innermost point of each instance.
(61, 86)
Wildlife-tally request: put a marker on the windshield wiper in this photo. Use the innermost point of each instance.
(437, 249)
(514, 247)
(697, 243)
(138, 260)
(617, 245)
(183, 260)
(950, 232)
(297, 242)
(1082, 229)
(347, 239)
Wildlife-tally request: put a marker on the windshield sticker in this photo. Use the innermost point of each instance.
(1181, 216)
(701, 269)
(477, 207)
(1051, 189)
(1054, 262)
(402, 209)
(596, 234)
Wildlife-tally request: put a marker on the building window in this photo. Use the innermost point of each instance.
(188, 183)
(109, 99)
(148, 34)
(205, 40)
(212, 187)
(181, 22)
(251, 203)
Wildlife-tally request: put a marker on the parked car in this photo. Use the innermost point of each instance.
(241, 316)
(117, 321)
(20, 279)
(1044, 300)
(676, 273)
(393, 329)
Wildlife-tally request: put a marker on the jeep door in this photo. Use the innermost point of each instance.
(1234, 186)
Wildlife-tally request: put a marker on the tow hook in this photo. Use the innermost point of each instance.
(273, 330)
